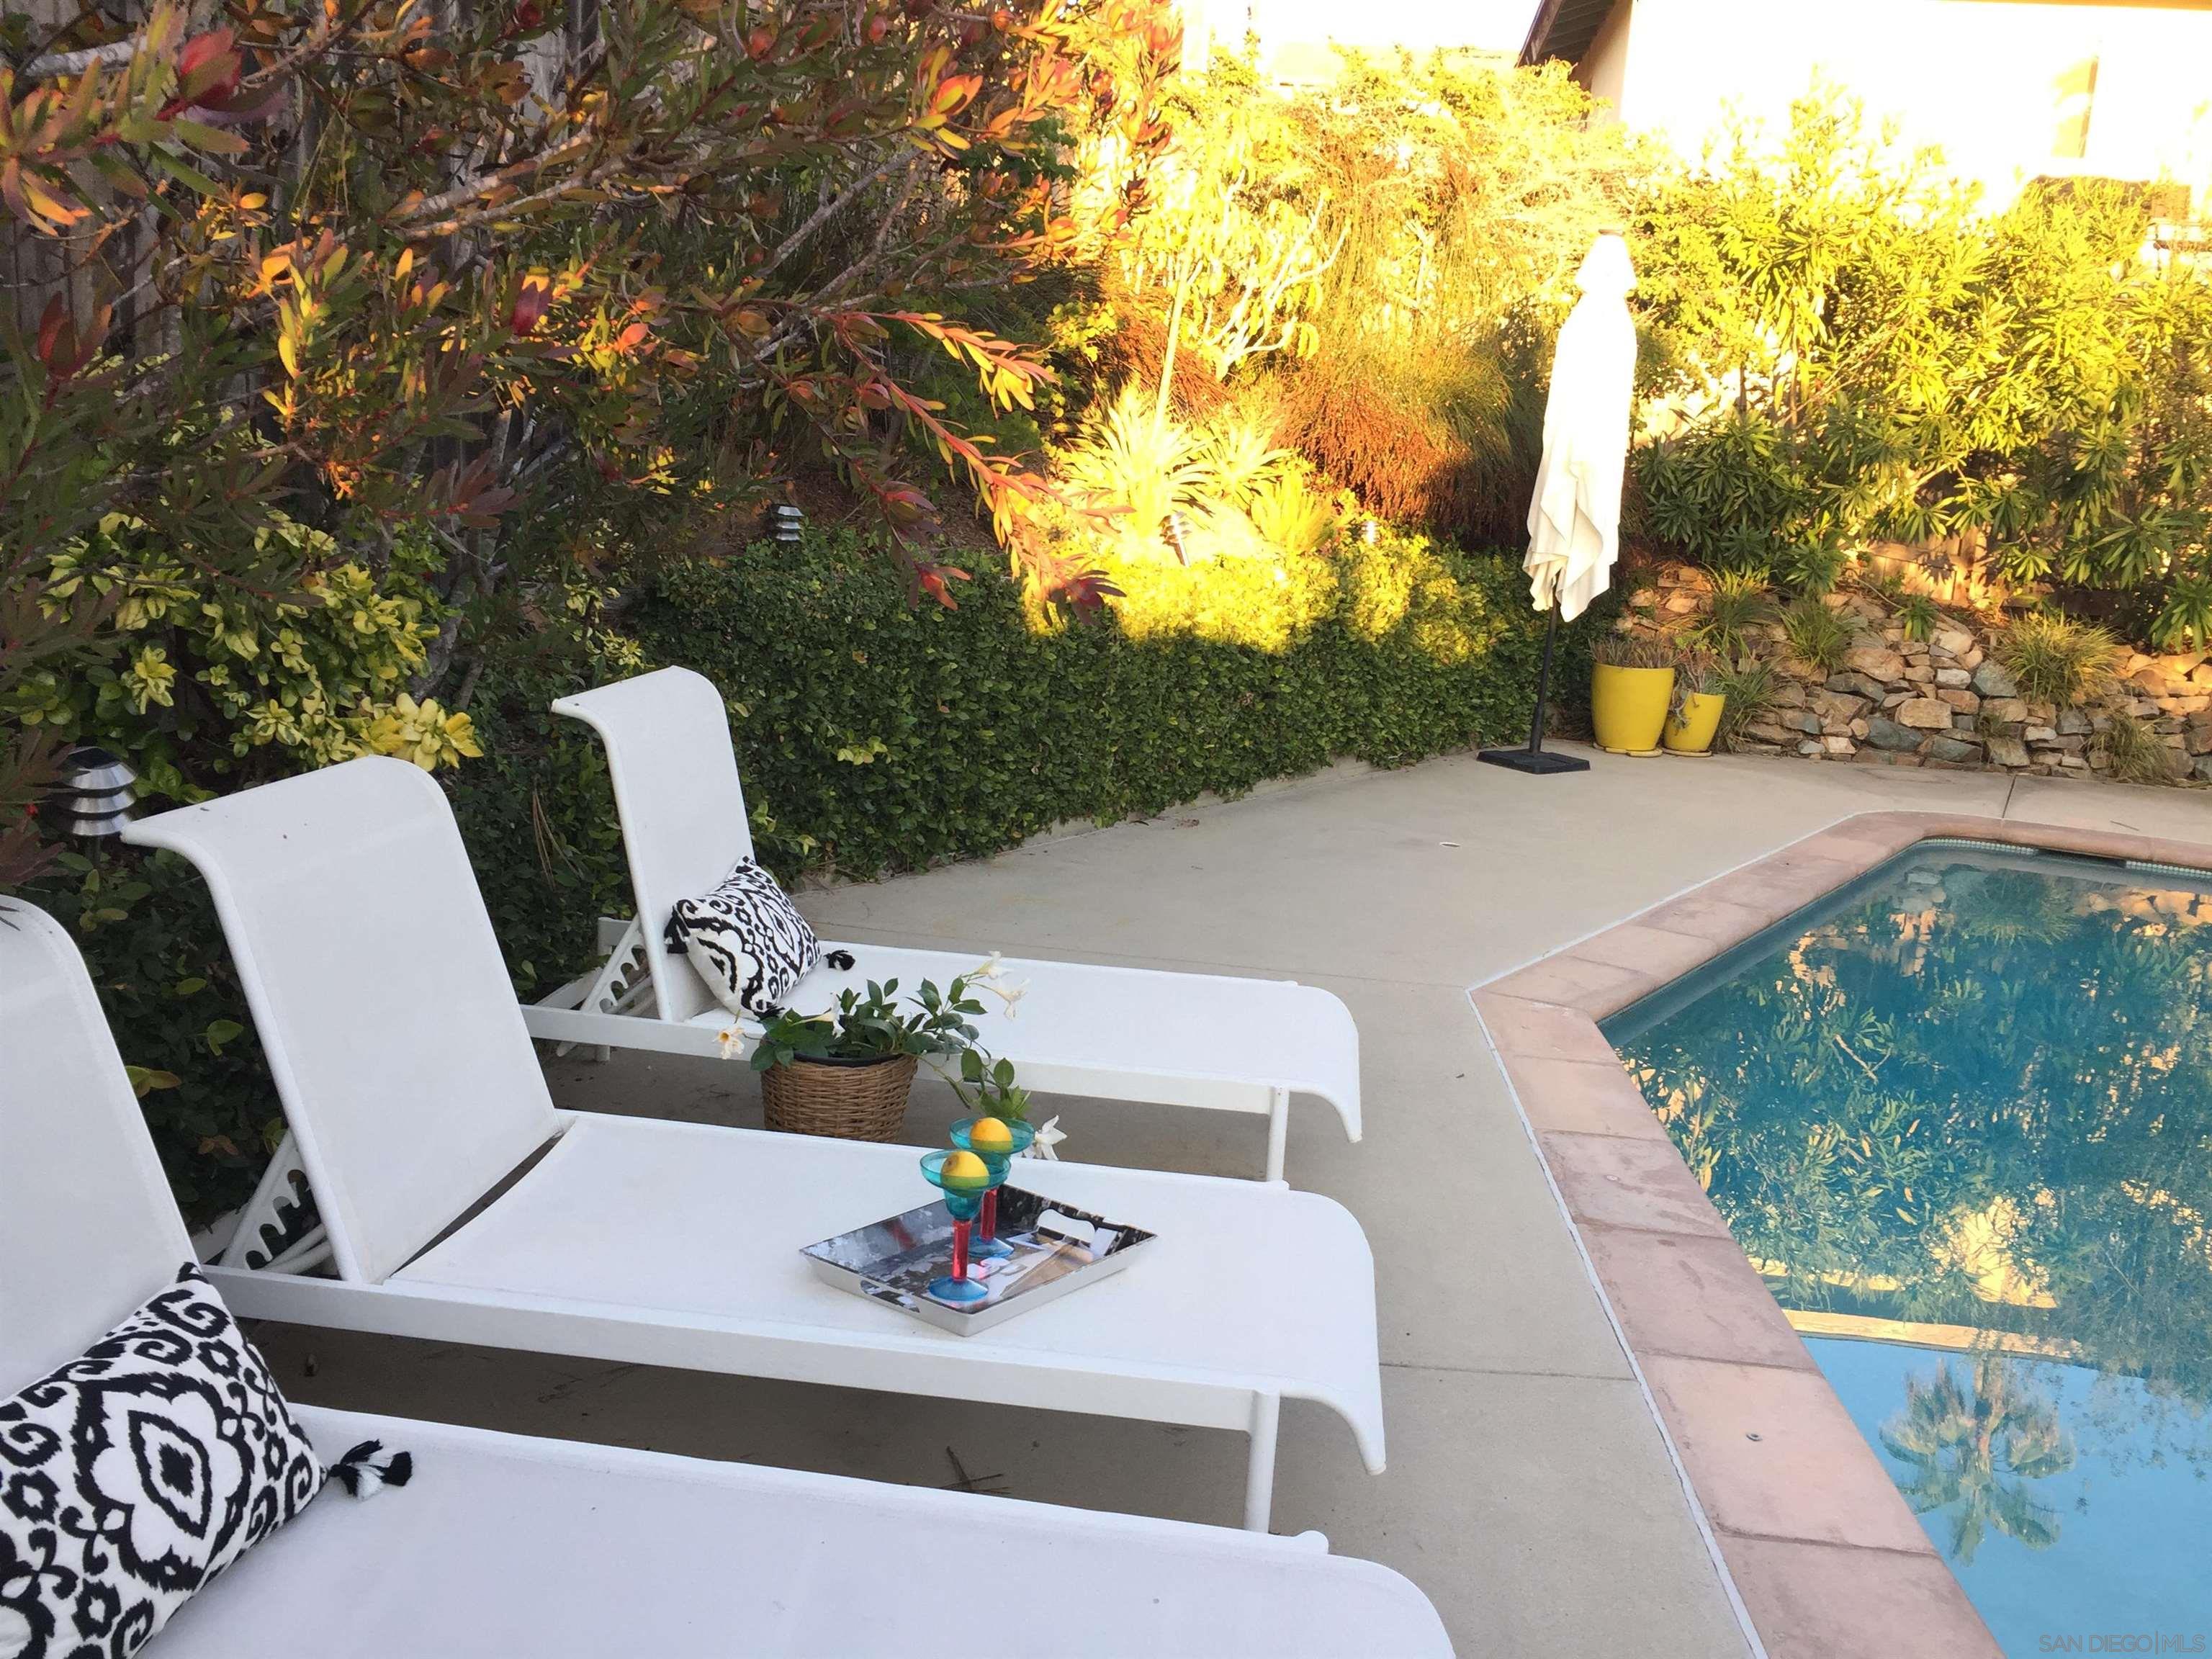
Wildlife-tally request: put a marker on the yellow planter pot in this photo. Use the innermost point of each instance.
(1628, 706)
(1693, 734)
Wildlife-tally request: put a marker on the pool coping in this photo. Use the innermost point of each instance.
(1825, 1554)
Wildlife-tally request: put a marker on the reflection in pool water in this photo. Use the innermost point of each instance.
(1960, 1117)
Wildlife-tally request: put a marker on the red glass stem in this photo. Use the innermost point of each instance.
(988, 1228)
(960, 1249)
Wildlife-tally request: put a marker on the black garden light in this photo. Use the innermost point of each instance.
(786, 522)
(1172, 530)
(97, 794)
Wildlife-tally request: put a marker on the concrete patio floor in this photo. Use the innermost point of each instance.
(1530, 1493)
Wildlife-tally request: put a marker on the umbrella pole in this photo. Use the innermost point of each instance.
(1544, 681)
(1533, 759)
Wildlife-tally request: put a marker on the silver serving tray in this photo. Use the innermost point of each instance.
(1056, 1248)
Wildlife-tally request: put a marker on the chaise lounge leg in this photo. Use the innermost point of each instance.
(1278, 1133)
(622, 982)
(277, 1231)
(1259, 1472)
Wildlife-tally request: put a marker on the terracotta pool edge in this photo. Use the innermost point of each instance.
(1819, 1564)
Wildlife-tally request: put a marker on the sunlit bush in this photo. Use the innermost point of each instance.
(210, 683)
(1854, 349)
(982, 725)
(1406, 237)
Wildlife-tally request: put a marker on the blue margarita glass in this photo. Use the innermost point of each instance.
(999, 1160)
(963, 1199)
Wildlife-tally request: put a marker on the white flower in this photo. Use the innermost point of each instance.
(987, 970)
(1008, 992)
(1049, 1136)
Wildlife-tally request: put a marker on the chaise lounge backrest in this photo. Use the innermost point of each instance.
(383, 1003)
(87, 1228)
(675, 775)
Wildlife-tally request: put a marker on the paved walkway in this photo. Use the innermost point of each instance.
(1529, 1491)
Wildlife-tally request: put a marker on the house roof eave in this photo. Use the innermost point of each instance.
(1564, 28)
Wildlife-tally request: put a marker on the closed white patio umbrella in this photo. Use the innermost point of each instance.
(1574, 520)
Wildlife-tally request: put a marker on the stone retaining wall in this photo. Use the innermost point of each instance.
(1944, 700)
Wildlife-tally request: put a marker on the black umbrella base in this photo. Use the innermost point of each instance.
(1542, 762)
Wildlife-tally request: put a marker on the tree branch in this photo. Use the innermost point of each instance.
(469, 189)
(61, 64)
(829, 209)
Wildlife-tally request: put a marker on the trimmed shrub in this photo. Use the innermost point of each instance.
(147, 926)
(875, 736)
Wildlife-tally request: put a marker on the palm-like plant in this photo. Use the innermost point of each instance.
(1918, 617)
(1291, 515)
(1748, 686)
(1972, 1449)
(2135, 751)
(1740, 606)
(1142, 460)
(1244, 496)
(1241, 458)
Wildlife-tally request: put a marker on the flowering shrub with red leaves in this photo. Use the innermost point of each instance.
(540, 295)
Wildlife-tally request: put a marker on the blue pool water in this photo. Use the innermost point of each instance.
(1960, 1116)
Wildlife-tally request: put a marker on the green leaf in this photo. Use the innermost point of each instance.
(213, 140)
(189, 176)
(144, 1080)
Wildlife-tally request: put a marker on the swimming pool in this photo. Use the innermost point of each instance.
(1959, 1115)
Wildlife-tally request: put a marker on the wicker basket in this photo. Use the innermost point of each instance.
(851, 1099)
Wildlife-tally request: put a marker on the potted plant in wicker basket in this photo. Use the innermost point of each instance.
(847, 1071)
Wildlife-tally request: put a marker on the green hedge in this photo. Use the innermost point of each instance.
(875, 735)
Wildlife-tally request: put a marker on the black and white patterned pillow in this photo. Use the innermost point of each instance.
(131, 1477)
(747, 939)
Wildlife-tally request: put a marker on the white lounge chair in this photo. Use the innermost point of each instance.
(412, 1092)
(502, 1545)
(1205, 1040)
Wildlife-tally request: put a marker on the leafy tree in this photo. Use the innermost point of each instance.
(1378, 263)
(421, 279)
(1854, 349)
(374, 333)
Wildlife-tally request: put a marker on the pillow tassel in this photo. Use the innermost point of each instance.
(840, 960)
(363, 1476)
